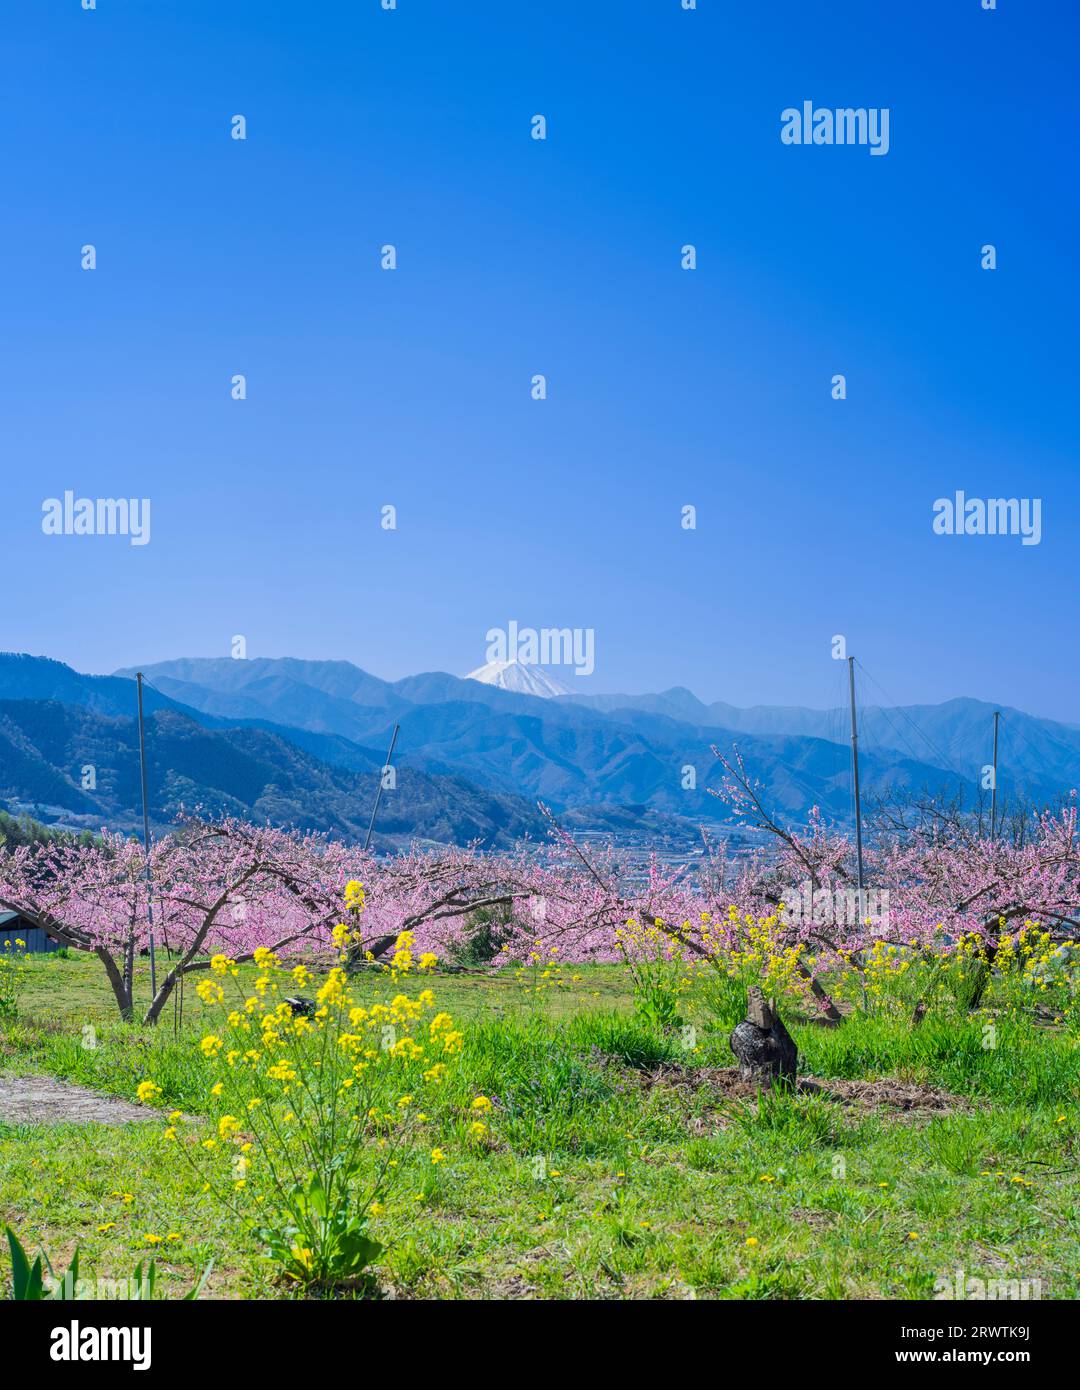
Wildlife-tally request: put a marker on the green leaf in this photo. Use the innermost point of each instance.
(26, 1280)
(358, 1251)
(316, 1195)
(71, 1279)
(197, 1289)
(20, 1266)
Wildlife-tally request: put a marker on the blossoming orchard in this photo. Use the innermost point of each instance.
(339, 1046)
(229, 887)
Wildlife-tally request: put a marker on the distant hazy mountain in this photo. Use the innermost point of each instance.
(25, 677)
(322, 696)
(521, 678)
(303, 739)
(577, 751)
(45, 746)
(956, 736)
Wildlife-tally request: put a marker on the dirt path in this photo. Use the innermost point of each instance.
(42, 1100)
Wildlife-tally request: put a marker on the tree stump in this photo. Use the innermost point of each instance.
(764, 1047)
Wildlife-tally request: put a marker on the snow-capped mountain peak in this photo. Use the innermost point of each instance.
(521, 678)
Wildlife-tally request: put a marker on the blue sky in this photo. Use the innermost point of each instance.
(666, 387)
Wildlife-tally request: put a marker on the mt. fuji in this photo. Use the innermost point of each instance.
(521, 678)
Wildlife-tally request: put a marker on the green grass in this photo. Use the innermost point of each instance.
(601, 1180)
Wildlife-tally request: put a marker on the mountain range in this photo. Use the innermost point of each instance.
(301, 742)
(69, 753)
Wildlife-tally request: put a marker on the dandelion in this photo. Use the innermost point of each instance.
(147, 1091)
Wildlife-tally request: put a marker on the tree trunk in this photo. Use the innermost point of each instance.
(129, 965)
(828, 1008)
(165, 989)
(120, 988)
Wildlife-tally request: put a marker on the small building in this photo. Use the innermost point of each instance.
(15, 927)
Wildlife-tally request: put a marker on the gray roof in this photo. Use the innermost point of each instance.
(8, 917)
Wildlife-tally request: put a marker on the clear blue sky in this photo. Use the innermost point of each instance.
(666, 387)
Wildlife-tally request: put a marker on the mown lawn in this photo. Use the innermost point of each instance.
(618, 1164)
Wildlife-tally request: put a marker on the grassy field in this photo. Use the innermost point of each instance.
(621, 1161)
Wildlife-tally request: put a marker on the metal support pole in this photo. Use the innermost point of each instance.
(378, 794)
(855, 779)
(146, 842)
